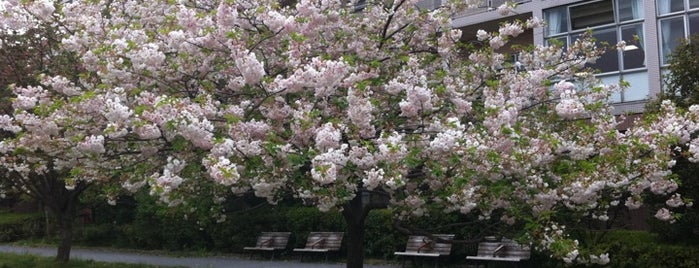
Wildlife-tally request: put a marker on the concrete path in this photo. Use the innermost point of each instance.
(195, 262)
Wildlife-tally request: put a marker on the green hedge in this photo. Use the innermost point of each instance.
(16, 226)
(635, 249)
(643, 249)
(151, 227)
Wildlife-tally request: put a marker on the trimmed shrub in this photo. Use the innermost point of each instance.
(642, 249)
(634, 249)
(16, 226)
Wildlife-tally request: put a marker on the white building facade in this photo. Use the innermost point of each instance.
(650, 28)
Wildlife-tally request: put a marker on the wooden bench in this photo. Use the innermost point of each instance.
(423, 246)
(270, 242)
(505, 250)
(321, 242)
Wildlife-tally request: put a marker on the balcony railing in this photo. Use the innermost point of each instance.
(488, 5)
(485, 6)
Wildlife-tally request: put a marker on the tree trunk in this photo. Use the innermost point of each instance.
(63, 204)
(66, 231)
(355, 213)
(50, 189)
(355, 242)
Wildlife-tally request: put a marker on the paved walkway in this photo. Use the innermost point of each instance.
(196, 262)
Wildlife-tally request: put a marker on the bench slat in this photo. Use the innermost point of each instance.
(417, 254)
(424, 247)
(259, 248)
(311, 250)
(323, 242)
(268, 241)
(485, 258)
(506, 250)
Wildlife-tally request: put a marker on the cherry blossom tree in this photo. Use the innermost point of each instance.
(59, 135)
(330, 103)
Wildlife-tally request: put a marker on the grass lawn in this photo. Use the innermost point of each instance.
(8, 260)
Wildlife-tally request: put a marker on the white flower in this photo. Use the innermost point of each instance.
(571, 256)
(324, 174)
(497, 42)
(602, 259)
(328, 137)
(224, 172)
(115, 111)
(621, 45)
(511, 29)
(675, 201)
(482, 35)
(664, 214)
(92, 145)
(373, 178)
(505, 9)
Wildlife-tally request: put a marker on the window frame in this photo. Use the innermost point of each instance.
(570, 15)
(568, 36)
(618, 25)
(687, 12)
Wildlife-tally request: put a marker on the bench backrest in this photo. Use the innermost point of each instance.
(277, 240)
(331, 241)
(423, 244)
(505, 248)
(516, 250)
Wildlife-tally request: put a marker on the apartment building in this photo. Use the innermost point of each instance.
(650, 28)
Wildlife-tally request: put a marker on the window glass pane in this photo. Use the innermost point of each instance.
(609, 61)
(593, 14)
(359, 5)
(694, 24)
(610, 80)
(634, 55)
(669, 6)
(672, 30)
(561, 41)
(630, 9)
(638, 86)
(693, 3)
(556, 20)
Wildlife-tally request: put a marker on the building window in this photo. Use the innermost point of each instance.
(557, 20)
(670, 6)
(632, 54)
(609, 61)
(678, 19)
(630, 9)
(592, 14)
(672, 30)
(610, 21)
(359, 5)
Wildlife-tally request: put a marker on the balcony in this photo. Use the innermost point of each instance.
(485, 6)
(488, 5)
